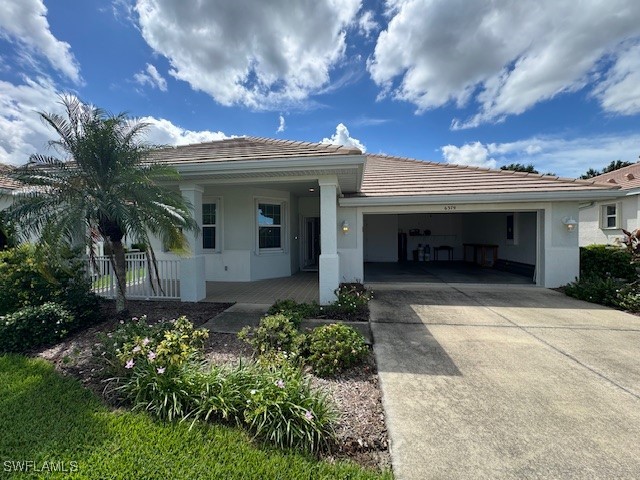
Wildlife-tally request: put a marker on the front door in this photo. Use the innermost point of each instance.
(311, 243)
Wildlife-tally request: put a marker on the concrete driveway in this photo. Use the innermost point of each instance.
(507, 382)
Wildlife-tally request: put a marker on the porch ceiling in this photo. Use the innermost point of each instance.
(296, 181)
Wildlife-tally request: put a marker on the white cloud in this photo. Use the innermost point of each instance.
(506, 56)
(568, 157)
(22, 133)
(474, 154)
(620, 91)
(164, 132)
(342, 137)
(25, 22)
(151, 76)
(366, 23)
(281, 124)
(263, 55)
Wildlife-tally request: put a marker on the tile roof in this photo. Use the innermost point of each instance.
(626, 178)
(395, 176)
(5, 182)
(248, 148)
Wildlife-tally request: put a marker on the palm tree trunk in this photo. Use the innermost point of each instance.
(121, 275)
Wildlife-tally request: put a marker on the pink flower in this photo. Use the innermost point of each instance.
(151, 356)
(145, 341)
(161, 370)
(134, 319)
(130, 363)
(308, 415)
(280, 384)
(136, 349)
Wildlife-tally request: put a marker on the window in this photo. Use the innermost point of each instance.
(209, 225)
(270, 226)
(610, 216)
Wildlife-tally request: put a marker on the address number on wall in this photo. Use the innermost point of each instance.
(448, 208)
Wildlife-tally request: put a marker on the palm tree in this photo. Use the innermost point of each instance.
(106, 183)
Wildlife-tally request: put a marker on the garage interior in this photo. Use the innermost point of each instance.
(478, 247)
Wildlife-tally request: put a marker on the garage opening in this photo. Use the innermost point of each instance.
(478, 247)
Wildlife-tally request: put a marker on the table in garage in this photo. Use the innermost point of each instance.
(480, 251)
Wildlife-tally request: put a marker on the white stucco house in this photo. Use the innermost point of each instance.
(271, 208)
(602, 221)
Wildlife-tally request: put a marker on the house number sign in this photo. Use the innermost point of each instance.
(448, 208)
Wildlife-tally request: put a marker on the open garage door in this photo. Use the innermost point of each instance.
(477, 247)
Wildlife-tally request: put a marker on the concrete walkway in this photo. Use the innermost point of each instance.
(507, 382)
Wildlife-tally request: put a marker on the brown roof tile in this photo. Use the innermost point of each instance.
(248, 148)
(6, 183)
(395, 176)
(627, 177)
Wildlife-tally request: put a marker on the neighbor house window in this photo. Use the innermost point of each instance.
(611, 216)
(209, 225)
(270, 216)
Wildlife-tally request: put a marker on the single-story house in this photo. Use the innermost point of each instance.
(270, 208)
(602, 221)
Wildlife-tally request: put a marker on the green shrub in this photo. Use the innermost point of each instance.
(601, 290)
(294, 310)
(334, 348)
(606, 261)
(628, 297)
(351, 297)
(25, 281)
(168, 393)
(275, 333)
(35, 326)
(164, 344)
(276, 403)
(284, 409)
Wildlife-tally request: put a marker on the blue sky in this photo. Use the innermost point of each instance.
(488, 82)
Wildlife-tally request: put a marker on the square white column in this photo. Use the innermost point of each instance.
(329, 261)
(193, 287)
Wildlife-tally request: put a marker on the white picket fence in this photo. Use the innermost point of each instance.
(141, 282)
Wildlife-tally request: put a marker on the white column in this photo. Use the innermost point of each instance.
(193, 287)
(329, 261)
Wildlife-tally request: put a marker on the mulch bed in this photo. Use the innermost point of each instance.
(362, 434)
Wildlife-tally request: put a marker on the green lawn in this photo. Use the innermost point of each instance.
(106, 280)
(45, 417)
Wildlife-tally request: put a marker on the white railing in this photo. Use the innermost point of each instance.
(143, 282)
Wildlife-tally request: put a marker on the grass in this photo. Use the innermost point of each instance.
(110, 279)
(45, 417)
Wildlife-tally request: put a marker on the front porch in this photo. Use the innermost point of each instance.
(301, 287)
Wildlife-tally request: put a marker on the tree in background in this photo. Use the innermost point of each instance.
(614, 165)
(520, 167)
(106, 183)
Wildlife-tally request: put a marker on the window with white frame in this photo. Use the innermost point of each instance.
(610, 216)
(209, 226)
(270, 216)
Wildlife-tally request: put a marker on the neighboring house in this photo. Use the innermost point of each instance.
(7, 186)
(602, 221)
(270, 208)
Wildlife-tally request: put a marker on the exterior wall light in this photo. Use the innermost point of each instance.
(570, 223)
(345, 227)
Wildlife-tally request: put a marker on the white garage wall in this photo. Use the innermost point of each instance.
(491, 228)
(446, 229)
(381, 238)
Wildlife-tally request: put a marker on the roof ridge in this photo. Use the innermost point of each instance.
(486, 169)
